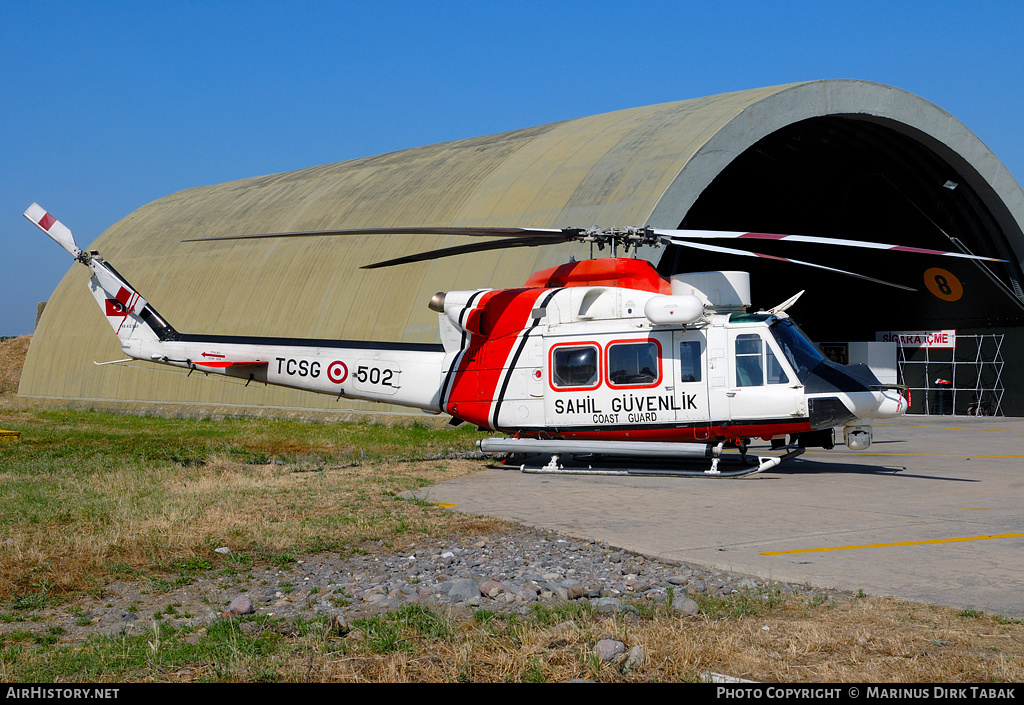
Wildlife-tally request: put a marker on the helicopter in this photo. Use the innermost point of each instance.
(594, 364)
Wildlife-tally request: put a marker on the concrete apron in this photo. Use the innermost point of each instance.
(931, 512)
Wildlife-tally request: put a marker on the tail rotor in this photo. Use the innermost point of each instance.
(57, 231)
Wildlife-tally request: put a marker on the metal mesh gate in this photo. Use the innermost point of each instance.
(963, 381)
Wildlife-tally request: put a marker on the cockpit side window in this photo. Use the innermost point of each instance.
(756, 362)
(776, 375)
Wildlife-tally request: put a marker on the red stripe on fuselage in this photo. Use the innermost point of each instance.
(681, 434)
(503, 314)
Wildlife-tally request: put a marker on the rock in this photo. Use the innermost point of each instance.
(607, 650)
(491, 588)
(680, 579)
(241, 605)
(463, 589)
(682, 603)
(635, 659)
(338, 625)
(526, 594)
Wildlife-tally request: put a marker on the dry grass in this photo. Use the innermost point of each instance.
(865, 640)
(144, 521)
(84, 493)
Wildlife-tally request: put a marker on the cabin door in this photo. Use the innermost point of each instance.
(689, 355)
(758, 386)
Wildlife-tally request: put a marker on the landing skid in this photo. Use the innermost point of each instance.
(634, 459)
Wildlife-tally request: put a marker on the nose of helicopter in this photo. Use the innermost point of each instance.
(875, 404)
(891, 403)
(863, 395)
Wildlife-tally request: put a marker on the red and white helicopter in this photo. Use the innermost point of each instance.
(598, 360)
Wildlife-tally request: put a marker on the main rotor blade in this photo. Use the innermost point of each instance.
(552, 233)
(725, 234)
(747, 253)
(464, 249)
(531, 237)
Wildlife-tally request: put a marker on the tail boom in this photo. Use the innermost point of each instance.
(392, 373)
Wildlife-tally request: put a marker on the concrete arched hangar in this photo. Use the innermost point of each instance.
(838, 158)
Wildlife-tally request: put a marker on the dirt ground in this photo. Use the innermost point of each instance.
(12, 358)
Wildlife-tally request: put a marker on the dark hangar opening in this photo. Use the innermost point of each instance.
(847, 177)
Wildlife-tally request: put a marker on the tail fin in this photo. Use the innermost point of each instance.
(126, 311)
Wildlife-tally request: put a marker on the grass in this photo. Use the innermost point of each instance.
(221, 653)
(88, 498)
(85, 494)
(399, 630)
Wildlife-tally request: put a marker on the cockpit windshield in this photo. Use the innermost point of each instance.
(800, 351)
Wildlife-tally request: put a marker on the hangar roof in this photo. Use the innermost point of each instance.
(648, 165)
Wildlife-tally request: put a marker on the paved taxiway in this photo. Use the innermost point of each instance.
(931, 512)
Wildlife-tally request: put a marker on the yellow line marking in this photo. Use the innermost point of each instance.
(445, 505)
(889, 545)
(974, 509)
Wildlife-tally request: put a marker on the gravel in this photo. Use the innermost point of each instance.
(507, 572)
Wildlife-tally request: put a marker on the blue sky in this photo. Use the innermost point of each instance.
(106, 106)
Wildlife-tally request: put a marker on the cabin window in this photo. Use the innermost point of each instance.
(634, 364)
(574, 366)
(756, 364)
(689, 361)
